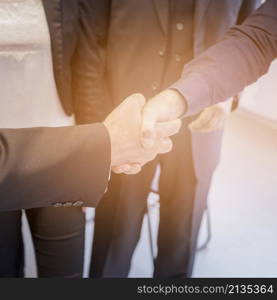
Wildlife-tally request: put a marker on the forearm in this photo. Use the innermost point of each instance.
(41, 167)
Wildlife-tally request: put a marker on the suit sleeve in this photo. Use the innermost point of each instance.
(238, 60)
(40, 167)
(247, 8)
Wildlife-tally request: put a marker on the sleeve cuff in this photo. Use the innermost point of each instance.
(98, 168)
(196, 93)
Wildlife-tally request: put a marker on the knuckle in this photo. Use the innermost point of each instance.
(116, 170)
(148, 110)
(169, 147)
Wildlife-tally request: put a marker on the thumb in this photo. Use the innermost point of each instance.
(148, 124)
(136, 101)
(166, 129)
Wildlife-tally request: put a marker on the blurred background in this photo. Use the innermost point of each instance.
(242, 200)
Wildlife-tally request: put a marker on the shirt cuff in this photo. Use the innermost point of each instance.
(195, 91)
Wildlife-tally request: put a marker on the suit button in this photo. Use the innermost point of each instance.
(180, 26)
(67, 204)
(177, 58)
(162, 52)
(78, 203)
(57, 205)
(155, 85)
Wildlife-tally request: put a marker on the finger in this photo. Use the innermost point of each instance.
(215, 124)
(134, 169)
(166, 129)
(121, 169)
(137, 99)
(164, 145)
(201, 122)
(148, 132)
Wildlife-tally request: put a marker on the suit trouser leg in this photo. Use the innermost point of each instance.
(128, 202)
(177, 191)
(58, 235)
(206, 148)
(104, 226)
(184, 200)
(11, 245)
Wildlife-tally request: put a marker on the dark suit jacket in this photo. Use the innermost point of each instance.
(76, 60)
(41, 167)
(131, 33)
(239, 59)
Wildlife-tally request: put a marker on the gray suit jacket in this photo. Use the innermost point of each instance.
(40, 167)
(212, 18)
(239, 59)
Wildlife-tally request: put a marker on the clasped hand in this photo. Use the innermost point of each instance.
(139, 131)
(126, 126)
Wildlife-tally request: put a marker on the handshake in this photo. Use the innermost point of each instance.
(139, 131)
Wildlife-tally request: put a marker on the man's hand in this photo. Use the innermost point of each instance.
(211, 118)
(124, 127)
(167, 106)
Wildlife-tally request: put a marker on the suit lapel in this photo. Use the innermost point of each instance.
(53, 11)
(201, 7)
(162, 8)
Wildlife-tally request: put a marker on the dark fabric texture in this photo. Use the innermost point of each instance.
(148, 63)
(76, 56)
(59, 240)
(41, 167)
(11, 245)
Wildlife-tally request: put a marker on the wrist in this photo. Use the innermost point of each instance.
(177, 104)
(110, 133)
(180, 103)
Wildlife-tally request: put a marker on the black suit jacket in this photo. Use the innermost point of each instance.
(40, 167)
(77, 61)
(131, 33)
